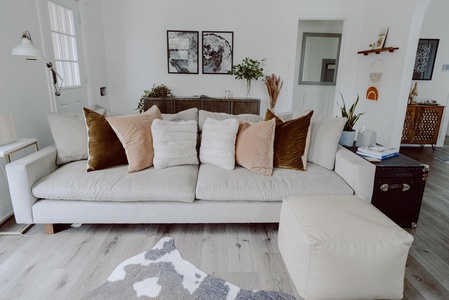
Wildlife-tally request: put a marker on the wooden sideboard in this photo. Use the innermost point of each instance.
(422, 124)
(233, 106)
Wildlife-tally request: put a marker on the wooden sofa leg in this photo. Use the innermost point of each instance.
(49, 229)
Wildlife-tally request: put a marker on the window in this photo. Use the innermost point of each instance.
(64, 44)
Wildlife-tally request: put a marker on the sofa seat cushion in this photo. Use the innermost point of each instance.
(72, 182)
(215, 183)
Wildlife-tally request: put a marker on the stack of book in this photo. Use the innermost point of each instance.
(377, 152)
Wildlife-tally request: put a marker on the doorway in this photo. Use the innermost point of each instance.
(317, 95)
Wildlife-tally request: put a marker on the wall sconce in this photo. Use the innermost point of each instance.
(27, 49)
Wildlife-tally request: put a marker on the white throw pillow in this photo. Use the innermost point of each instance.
(324, 137)
(203, 115)
(218, 143)
(174, 143)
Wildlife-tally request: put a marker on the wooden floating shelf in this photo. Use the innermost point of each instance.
(377, 51)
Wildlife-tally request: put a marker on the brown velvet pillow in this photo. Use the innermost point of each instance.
(254, 146)
(103, 146)
(290, 141)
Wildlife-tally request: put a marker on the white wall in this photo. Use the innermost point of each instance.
(135, 42)
(435, 26)
(404, 18)
(24, 87)
(92, 35)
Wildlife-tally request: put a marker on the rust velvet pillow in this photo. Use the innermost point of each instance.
(291, 141)
(104, 149)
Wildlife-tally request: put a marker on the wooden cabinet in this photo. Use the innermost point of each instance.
(422, 124)
(234, 106)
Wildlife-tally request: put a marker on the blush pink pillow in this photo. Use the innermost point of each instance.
(134, 132)
(255, 146)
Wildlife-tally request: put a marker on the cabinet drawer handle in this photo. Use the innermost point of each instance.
(384, 187)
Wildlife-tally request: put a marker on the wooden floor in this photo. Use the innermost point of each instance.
(72, 262)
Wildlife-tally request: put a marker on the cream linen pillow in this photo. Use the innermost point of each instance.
(134, 132)
(218, 143)
(70, 136)
(174, 143)
(203, 115)
(324, 136)
(254, 146)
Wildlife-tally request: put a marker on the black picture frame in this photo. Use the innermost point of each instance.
(217, 52)
(182, 52)
(426, 54)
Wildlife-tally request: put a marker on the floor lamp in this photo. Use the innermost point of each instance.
(27, 49)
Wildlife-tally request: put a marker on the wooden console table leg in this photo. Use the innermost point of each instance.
(49, 229)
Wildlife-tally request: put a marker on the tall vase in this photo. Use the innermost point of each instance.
(248, 88)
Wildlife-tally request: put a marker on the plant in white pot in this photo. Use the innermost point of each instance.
(348, 135)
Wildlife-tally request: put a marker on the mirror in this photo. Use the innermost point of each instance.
(319, 58)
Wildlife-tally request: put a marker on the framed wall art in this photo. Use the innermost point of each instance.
(182, 52)
(425, 59)
(217, 51)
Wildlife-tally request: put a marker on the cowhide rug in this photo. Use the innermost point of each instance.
(161, 273)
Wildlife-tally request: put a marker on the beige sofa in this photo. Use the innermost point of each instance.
(44, 192)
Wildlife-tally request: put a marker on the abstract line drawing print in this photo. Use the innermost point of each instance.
(182, 52)
(217, 52)
(422, 58)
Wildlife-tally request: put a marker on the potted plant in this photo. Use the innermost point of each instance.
(348, 134)
(249, 69)
(159, 91)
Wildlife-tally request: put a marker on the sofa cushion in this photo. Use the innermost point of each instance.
(134, 132)
(254, 146)
(325, 134)
(291, 141)
(174, 143)
(72, 182)
(240, 184)
(103, 146)
(218, 142)
(203, 115)
(190, 114)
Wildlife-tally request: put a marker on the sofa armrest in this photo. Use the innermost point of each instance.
(356, 171)
(22, 174)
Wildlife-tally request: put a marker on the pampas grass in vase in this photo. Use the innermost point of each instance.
(274, 86)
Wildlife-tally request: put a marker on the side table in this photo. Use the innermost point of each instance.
(6, 151)
(398, 189)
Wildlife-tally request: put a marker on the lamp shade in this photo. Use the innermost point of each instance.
(26, 48)
(7, 129)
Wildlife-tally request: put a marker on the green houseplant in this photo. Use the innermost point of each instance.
(248, 69)
(348, 134)
(158, 91)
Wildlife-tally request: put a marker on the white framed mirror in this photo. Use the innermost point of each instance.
(319, 58)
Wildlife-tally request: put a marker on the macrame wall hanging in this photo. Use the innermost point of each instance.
(375, 78)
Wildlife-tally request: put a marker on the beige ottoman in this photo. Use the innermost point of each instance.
(342, 247)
